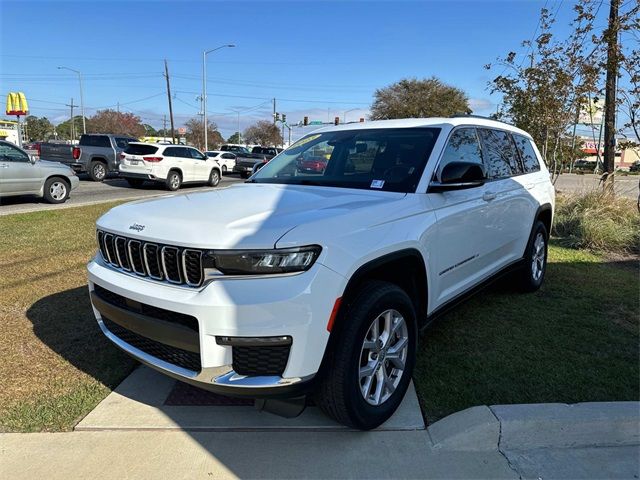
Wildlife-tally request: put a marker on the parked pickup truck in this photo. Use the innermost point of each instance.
(246, 163)
(97, 154)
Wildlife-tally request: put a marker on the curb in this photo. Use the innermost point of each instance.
(546, 425)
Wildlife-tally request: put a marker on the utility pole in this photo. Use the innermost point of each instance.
(274, 111)
(164, 128)
(73, 123)
(611, 35)
(166, 75)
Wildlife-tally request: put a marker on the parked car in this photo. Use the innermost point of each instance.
(22, 174)
(227, 160)
(635, 166)
(235, 149)
(584, 166)
(247, 163)
(293, 284)
(172, 165)
(96, 154)
(311, 164)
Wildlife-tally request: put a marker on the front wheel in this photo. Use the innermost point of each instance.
(224, 169)
(535, 259)
(56, 190)
(370, 362)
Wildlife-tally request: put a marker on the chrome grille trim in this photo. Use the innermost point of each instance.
(126, 261)
(140, 252)
(163, 263)
(185, 252)
(145, 255)
(163, 256)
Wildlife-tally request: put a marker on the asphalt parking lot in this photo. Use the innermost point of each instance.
(112, 189)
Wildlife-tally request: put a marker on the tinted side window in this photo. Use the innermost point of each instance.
(193, 153)
(499, 153)
(527, 153)
(123, 142)
(172, 152)
(229, 156)
(95, 141)
(140, 149)
(463, 146)
(12, 154)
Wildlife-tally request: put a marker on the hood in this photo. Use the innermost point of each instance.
(240, 216)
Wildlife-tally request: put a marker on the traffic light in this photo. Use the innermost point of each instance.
(336, 121)
(305, 122)
(276, 116)
(361, 119)
(284, 118)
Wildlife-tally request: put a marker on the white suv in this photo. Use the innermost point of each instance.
(318, 282)
(172, 165)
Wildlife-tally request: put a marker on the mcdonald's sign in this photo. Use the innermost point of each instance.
(17, 104)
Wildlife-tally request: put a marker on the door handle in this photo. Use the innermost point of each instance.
(530, 186)
(488, 196)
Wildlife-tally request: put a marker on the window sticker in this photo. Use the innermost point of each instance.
(377, 183)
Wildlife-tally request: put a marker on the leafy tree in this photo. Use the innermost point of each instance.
(149, 131)
(38, 128)
(63, 130)
(195, 134)
(413, 98)
(263, 133)
(111, 121)
(235, 138)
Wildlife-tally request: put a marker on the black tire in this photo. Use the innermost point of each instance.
(531, 276)
(224, 169)
(174, 181)
(135, 182)
(244, 174)
(97, 170)
(56, 190)
(214, 178)
(339, 390)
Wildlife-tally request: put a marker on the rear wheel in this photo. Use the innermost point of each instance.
(370, 362)
(135, 182)
(174, 180)
(224, 169)
(97, 171)
(535, 259)
(244, 174)
(56, 190)
(214, 178)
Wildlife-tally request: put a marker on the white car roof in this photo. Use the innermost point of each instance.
(425, 122)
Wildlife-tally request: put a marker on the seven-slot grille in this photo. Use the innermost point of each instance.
(182, 266)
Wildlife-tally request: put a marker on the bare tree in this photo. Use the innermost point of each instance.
(195, 134)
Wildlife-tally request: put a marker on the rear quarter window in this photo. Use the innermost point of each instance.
(95, 141)
(499, 153)
(137, 149)
(527, 154)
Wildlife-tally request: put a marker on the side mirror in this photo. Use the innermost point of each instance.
(459, 176)
(32, 158)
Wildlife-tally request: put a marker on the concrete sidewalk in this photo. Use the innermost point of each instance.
(136, 433)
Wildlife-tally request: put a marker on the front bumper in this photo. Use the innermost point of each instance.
(75, 181)
(296, 306)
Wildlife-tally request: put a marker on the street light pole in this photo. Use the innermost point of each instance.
(84, 124)
(204, 91)
(344, 115)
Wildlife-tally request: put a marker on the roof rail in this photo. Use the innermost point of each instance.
(469, 115)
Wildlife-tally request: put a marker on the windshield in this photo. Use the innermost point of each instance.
(389, 159)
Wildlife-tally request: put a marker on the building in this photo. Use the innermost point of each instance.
(9, 131)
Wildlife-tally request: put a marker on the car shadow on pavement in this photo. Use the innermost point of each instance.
(65, 323)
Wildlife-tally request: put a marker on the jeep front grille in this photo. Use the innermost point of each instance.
(180, 266)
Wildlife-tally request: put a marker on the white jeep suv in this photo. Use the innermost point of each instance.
(172, 165)
(318, 283)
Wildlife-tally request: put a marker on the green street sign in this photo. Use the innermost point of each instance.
(315, 122)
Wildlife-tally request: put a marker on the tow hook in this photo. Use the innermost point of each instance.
(286, 407)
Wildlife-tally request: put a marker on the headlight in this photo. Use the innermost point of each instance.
(260, 262)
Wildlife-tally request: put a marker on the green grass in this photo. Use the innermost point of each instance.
(575, 340)
(56, 364)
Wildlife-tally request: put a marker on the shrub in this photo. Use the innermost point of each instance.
(598, 221)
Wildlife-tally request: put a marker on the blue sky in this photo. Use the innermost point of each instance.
(319, 59)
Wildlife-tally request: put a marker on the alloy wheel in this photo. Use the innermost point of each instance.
(383, 357)
(58, 190)
(538, 257)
